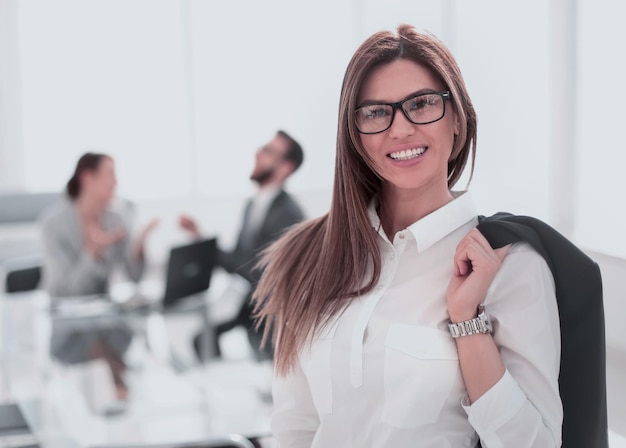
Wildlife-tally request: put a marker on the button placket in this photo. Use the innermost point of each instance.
(389, 258)
(358, 335)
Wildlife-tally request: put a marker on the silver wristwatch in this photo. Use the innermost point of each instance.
(479, 324)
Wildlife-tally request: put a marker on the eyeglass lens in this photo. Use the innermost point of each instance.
(420, 109)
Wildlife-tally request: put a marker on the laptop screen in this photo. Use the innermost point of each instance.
(189, 270)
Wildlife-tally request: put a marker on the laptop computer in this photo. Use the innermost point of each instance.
(189, 270)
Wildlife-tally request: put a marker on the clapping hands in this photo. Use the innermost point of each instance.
(97, 240)
(143, 236)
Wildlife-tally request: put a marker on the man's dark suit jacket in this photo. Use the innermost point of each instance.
(582, 378)
(282, 213)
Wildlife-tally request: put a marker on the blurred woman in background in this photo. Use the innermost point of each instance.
(84, 239)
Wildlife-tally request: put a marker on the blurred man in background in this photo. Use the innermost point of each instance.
(267, 215)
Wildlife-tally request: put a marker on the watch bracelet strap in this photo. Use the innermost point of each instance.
(477, 325)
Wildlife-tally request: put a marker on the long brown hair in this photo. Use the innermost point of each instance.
(314, 270)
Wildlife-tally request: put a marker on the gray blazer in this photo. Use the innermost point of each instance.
(68, 269)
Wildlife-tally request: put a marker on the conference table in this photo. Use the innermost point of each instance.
(165, 406)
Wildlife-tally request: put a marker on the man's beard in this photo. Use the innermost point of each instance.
(263, 177)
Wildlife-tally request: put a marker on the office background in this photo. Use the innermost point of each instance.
(182, 93)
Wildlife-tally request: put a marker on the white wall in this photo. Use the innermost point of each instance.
(613, 273)
(184, 95)
(11, 150)
(105, 76)
(601, 210)
(507, 71)
(279, 65)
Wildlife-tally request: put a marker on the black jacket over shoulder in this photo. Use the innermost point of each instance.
(582, 377)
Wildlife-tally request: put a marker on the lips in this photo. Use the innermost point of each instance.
(407, 154)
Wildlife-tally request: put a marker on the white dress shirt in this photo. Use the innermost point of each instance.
(256, 214)
(385, 373)
(260, 206)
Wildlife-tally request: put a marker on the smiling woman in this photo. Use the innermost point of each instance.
(426, 148)
(383, 308)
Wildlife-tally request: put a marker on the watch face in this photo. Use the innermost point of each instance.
(482, 317)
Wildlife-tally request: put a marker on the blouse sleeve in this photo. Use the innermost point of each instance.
(294, 420)
(523, 409)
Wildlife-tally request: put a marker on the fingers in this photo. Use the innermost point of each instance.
(183, 220)
(474, 237)
(153, 223)
(97, 241)
(112, 237)
(462, 266)
(102, 238)
(150, 226)
(187, 223)
(475, 266)
(474, 252)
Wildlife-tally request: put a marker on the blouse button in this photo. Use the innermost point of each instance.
(401, 236)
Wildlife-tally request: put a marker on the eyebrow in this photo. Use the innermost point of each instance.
(410, 95)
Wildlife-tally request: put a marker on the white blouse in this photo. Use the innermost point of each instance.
(385, 373)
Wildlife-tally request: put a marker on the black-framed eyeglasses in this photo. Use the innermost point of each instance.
(424, 108)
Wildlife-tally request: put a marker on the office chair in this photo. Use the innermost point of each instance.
(225, 441)
(24, 279)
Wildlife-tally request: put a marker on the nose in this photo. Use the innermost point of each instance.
(401, 126)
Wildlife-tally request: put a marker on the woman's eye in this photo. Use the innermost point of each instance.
(422, 102)
(374, 112)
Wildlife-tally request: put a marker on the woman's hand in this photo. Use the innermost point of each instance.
(188, 224)
(143, 236)
(148, 228)
(97, 240)
(475, 266)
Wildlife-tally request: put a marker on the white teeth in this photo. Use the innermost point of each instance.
(407, 154)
